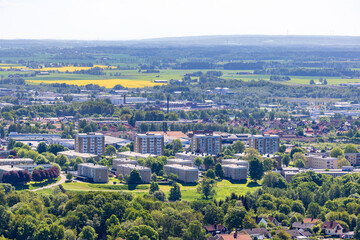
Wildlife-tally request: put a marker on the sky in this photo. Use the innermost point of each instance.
(142, 19)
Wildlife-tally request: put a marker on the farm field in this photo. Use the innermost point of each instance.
(223, 188)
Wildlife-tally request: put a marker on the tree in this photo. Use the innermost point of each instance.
(198, 161)
(88, 233)
(282, 235)
(195, 231)
(312, 82)
(256, 169)
(208, 161)
(234, 217)
(336, 152)
(219, 170)
(313, 210)
(41, 147)
(274, 180)
(295, 150)
(69, 176)
(351, 148)
(154, 186)
(342, 161)
(175, 193)
(299, 163)
(252, 153)
(286, 160)
(238, 147)
(134, 177)
(268, 164)
(210, 174)
(282, 148)
(357, 229)
(11, 144)
(249, 222)
(206, 188)
(160, 195)
(177, 146)
(110, 150)
(300, 156)
(55, 148)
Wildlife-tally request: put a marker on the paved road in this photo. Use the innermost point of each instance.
(62, 180)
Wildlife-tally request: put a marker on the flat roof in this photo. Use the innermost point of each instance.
(234, 166)
(9, 168)
(131, 166)
(179, 160)
(89, 134)
(183, 167)
(92, 165)
(15, 159)
(76, 154)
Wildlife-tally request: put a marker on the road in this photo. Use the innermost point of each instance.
(62, 180)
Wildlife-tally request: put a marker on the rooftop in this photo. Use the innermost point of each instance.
(92, 165)
(234, 166)
(9, 168)
(184, 167)
(131, 166)
(76, 154)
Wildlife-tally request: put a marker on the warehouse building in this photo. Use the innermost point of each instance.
(93, 172)
(125, 169)
(185, 173)
(235, 172)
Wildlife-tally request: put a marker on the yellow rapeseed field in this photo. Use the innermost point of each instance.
(108, 83)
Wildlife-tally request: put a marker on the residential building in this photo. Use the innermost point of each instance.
(15, 161)
(8, 168)
(68, 143)
(120, 161)
(134, 155)
(231, 236)
(188, 155)
(209, 144)
(214, 229)
(179, 161)
(296, 234)
(30, 167)
(84, 156)
(32, 137)
(260, 220)
(149, 143)
(353, 158)
(265, 144)
(259, 233)
(93, 143)
(234, 162)
(235, 172)
(321, 162)
(93, 172)
(185, 173)
(332, 228)
(301, 226)
(125, 170)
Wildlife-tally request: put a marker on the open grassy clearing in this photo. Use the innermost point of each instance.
(34, 185)
(189, 192)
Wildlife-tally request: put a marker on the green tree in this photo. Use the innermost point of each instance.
(177, 146)
(256, 169)
(286, 160)
(11, 144)
(198, 161)
(154, 186)
(219, 170)
(207, 188)
(69, 176)
(282, 148)
(268, 164)
(299, 163)
(175, 193)
(234, 217)
(238, 147)
(357, 229)
(313, 210)
(195, 231)
(134, 177)
(336, 152)
(295, 150)
(210, 174)
(110, 150)
(342, 161)
(208, 161)
(41, 147)
(351, 148)
(88, 233)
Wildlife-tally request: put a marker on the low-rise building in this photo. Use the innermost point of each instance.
(30, 167)
(135, 155)
(125, 169)
(321, 162)
(235, 172)
(84, 156)
(235, 162)
(93, 172)
(16, 161)
(121, 161)
(8, 168)
(353, 158)
(332, 228)
(185, 173)
(179, 161)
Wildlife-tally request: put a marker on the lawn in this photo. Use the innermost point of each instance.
(223, 188)
(34, 185)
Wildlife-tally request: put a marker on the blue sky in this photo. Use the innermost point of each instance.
(139, 19)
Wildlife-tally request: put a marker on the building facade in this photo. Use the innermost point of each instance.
(185, 173)
(206, 143)
(353, 158)
(321, 162)
(125, 170)
(150, 143)
(235, 172)
(95, 173)
(93, 143)
(264, 144)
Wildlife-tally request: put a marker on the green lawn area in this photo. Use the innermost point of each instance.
(223, 188)
(34, 185)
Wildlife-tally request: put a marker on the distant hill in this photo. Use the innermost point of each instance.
(231, 40)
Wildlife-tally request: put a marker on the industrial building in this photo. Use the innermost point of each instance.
(235, 172)
(264, 144)
(125, 169)
(150, 143)
(185, 173)
(93, 172)
(93, 143)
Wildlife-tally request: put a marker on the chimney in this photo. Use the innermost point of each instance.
(235, 234)
(167, 103)
(215, 226)
(124, 99)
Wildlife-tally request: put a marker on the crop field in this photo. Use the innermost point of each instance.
(108, 83)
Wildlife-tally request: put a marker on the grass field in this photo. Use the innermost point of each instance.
(35, 185)
(223, 188)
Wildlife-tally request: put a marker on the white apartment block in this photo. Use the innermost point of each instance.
(149, 143)
(265, 144)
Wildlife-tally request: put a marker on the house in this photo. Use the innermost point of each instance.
(231, 236)
(296, 234)
(311, 220)
(274, 221)
(259, 233)
(332, 228)
(260, 220)
(302, 226)
(214, 229)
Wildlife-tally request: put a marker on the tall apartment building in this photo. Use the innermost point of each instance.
(353, 158)
(93, 143)
(150, 143)
(206, 143)
(95, 173)
(265, 144)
